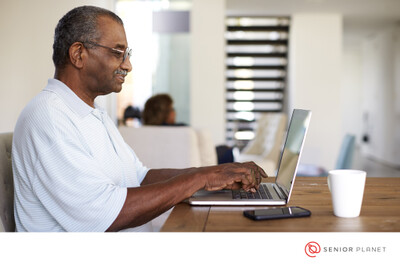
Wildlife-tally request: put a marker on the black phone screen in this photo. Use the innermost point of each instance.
(275, 213)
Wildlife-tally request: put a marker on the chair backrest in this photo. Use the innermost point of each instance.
(164, 146)
(7, 222)
(345, 158)
(269, 136)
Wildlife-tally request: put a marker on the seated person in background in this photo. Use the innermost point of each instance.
(159, 110)
(131, 113)
(72, 169)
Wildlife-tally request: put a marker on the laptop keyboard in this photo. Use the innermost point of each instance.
(261, 193)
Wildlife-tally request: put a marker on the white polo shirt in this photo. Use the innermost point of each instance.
(71, 166)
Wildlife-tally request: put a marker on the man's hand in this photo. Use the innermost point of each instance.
(164, 188)
(246, 175)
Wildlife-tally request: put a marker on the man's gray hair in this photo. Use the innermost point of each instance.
(78, 25)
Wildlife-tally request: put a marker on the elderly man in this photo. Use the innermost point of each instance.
(72, 169)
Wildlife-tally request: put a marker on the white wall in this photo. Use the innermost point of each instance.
(315, 82)
(27, 31)
(351, 91)
(207, 68)
(381, 87)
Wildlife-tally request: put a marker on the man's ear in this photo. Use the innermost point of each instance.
(76, 51)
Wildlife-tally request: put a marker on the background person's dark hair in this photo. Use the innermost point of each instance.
(131, 113)
(156, 109)
(78, 25)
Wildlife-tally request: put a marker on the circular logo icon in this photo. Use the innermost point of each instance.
(312, 248)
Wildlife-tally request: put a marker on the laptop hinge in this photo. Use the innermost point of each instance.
(281, 193)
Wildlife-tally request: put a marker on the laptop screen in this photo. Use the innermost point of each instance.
(290, 156)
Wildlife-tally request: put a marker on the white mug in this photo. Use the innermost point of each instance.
(347, 190)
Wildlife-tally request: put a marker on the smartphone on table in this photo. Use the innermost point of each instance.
(276, 213)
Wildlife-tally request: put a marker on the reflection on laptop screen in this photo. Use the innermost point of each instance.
(294, 143)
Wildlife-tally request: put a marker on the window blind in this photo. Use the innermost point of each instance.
(256, 66)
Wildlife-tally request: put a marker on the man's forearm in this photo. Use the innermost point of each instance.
(163, 188)
(161, 175)
(144, 203)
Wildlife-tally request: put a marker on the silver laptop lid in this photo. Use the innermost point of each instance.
(290, 156)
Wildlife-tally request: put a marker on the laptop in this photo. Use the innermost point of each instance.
(277, 193)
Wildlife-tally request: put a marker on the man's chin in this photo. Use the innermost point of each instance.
(115, 89)
(118, 89)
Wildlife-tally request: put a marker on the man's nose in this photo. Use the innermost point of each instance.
(126, 65)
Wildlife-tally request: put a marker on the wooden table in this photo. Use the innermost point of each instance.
(380, 212)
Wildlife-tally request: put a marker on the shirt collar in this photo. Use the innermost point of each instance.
(70, 98)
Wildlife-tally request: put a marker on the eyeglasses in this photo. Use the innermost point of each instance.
(119, 53)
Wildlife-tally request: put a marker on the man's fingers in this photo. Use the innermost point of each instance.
(263, 173)
(246, 175)
(256, 168)
(234, 186)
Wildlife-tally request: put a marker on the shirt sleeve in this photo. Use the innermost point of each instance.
(71, 186)
(141, 170)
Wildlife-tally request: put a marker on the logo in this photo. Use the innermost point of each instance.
(312, 248)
